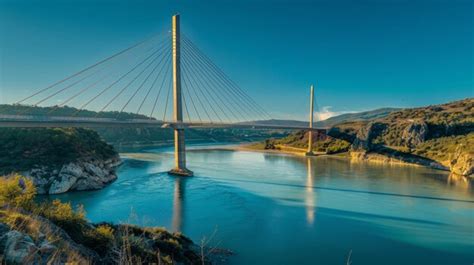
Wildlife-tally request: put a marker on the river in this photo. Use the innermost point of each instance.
(281, 209)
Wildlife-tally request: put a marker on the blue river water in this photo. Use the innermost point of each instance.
(281, 209)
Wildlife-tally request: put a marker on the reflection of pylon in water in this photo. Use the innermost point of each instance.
(310, 199)
(178, 197)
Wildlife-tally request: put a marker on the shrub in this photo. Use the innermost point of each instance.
(62, 212)
(17, 191)
(105, 231)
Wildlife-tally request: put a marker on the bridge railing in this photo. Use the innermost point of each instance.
(63, 121)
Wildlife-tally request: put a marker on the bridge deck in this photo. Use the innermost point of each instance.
(29, 121)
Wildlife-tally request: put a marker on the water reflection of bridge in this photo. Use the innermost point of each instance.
(179, 199)
(178, 204)
(310, 195)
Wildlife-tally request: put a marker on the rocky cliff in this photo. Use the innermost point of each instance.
(58, 160)
(83, 174)
(439, 136)
(462, 162)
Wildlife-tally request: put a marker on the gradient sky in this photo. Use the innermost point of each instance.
(361, 55)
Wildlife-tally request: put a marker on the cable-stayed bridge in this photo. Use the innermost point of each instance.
(164, 81)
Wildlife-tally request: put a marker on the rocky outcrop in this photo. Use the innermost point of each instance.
(415, 133)
(41, 242)
(363, 147)
(27, 238)
(462, 163)
(18, 248)
(84, 174)
(365, 136)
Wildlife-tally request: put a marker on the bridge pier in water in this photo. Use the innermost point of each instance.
(179, 143)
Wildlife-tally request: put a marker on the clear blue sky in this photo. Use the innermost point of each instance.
(360, 54)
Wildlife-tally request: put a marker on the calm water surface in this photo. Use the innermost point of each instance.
(278, 209)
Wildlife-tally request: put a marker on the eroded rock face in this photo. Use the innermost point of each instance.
(364, 137)
(63, 184)
(462, 163)
(415, 133)
(86, 174)
(34, 247)
(18, 248)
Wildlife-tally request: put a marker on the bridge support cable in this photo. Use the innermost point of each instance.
(116, 81)
(131, 82)
(186, 90)
(188, 83)
(85, 89)
(203, 86)
(170, 87)
(239, 107)
(165, 77)
(225, 78)
(89, 67)
(108, 65)
(166, 65)
(110, 71)
(220, 102)
(240, 103)
(186, 106)
(218, 88)
(194, 81)
(65, 88)
(143, 82)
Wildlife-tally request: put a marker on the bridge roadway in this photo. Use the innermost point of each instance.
(33, 121)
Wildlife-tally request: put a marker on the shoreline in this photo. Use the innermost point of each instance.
(372, 158)
(288, 151)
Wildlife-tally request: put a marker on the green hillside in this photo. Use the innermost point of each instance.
(65, 111)
(21, 149)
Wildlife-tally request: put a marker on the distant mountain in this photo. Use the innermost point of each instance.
(278, 122)
(359, 116)
(348, 117)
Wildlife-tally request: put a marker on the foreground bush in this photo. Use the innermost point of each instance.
(17, 191)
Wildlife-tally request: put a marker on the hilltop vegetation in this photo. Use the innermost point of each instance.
(21, 149)
(58, 160)
(442, 133)
(65, 111)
